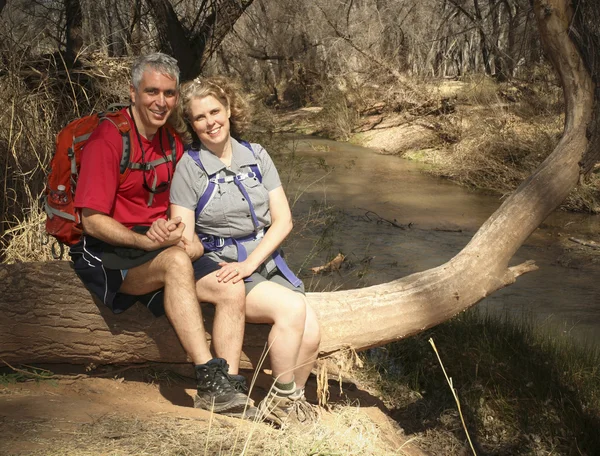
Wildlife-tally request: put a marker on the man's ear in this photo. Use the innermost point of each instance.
(132, 94)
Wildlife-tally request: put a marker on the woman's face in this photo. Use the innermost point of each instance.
(210, 120)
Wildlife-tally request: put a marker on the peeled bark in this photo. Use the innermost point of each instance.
(46, 316)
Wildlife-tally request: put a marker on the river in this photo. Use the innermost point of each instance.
(355, 193)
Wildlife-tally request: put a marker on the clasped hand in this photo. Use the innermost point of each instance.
(168, 232)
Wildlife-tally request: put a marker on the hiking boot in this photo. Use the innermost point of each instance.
(287, 410)
(239, 383)
(216, 393)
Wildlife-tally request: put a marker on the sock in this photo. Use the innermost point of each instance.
(298, 393)
(284, 389)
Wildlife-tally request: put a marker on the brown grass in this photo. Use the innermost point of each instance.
(346, 430)
(40, 97)
(498, 150)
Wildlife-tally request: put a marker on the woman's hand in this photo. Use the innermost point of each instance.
(234, 271)
(161, 229)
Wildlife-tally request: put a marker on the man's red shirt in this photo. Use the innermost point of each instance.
(99, 187)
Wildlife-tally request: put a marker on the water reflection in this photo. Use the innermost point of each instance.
(363, 189)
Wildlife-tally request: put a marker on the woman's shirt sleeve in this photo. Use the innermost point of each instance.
(269, 173)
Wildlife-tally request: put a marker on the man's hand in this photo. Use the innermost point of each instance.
(162, 230)
(175, 236)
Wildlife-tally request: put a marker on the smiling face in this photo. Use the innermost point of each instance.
(210, 120)
(153, 101)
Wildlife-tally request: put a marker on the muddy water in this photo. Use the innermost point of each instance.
(369, 199)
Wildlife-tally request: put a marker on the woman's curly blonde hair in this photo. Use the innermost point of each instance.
(223, 89)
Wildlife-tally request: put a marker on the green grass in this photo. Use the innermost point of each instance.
(522, 392)
(25, 374)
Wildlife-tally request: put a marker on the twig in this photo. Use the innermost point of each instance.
(70, 377)
(24, 372)
(382, 220)
(449, 230)
(592, 244)
(449, 380)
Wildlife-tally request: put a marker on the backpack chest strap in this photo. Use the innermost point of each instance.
(147, 166)
(214, 180)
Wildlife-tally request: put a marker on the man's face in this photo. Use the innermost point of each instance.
(153, 101)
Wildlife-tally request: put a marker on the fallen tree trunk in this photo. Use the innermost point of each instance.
(46, 316)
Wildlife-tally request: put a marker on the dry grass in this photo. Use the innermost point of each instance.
(523, 389)
(40, 97)
(346, 431)
(497, 151)
(477, 90)
(29, 240)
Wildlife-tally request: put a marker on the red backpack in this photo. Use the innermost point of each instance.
(63, 219)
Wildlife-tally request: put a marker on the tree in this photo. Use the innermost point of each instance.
(193, 44)
(74, 20)
(46, 316)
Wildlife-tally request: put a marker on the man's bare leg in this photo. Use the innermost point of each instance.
(228, 326)
(172, 270)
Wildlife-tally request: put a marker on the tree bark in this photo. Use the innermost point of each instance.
(47, 317)
(74, 23)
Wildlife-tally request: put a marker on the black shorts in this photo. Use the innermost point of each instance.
(105, 282)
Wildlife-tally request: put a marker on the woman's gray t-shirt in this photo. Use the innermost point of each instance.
(227, 214)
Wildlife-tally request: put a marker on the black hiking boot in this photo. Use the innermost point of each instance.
(239, 383)
(217, 394)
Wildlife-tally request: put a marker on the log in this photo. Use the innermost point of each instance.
(46, 316)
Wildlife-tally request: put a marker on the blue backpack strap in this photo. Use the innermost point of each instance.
(255, 169)
(210, 187)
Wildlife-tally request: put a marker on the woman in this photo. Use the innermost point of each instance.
(231, 193)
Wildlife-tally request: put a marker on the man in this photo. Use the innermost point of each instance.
(121, 265)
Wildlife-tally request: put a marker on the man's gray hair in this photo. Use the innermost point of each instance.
(157, 61)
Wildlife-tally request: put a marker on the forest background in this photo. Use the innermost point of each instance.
(353, 59)
(358, 61)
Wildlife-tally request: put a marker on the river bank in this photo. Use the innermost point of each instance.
(565, 246)
(476, 133)
(390, 219)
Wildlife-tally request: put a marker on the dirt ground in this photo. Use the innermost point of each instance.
(146, 411)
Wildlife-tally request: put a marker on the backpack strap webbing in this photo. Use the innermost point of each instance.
(254, 167)
(121, 123)
(210, 189)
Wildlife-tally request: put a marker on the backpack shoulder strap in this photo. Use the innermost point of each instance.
(171, 135)
(254, 167)
(211, 186)
(121, 123)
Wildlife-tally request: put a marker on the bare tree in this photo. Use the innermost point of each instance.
(74, 20)
(193, 44)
